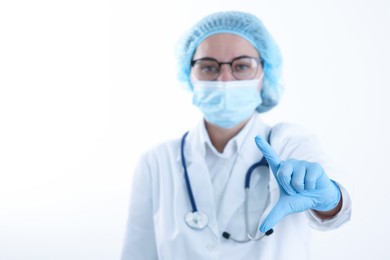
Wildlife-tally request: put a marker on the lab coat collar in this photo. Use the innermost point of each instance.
(231, 147)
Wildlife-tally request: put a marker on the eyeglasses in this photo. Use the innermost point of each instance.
(243, 68)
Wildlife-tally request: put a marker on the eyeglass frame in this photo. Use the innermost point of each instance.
(258, 61)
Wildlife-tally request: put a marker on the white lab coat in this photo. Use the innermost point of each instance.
(159, 201)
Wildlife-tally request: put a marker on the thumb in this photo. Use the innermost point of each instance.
(287, 204)
(276, 215)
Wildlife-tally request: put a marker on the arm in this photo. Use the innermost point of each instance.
(332, 220)
(139, 241)
(330, 213)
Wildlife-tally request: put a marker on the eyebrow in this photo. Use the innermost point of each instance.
(238, 57)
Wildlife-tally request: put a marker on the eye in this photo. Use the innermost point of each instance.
(244, 67)
(241, 67)
(207, 67)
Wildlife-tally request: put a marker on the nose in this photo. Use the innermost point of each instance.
(225, 73)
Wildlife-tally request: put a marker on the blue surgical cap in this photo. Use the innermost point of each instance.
(250, 28)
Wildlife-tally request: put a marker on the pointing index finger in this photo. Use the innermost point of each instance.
(269, 153)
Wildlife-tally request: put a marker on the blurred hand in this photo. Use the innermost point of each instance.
(303, 185)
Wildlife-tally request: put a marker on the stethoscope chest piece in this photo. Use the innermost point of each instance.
(196, 220)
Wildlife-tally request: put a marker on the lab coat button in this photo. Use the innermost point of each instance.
(212, 247)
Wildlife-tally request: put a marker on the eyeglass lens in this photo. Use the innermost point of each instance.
(243, 68)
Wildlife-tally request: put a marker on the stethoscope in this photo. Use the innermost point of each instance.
(197, 219)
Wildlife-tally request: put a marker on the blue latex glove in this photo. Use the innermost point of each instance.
(303, 185)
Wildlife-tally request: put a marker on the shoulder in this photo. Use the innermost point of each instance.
(288, 132)
(156, 160)
(292, 140)
(163, 151)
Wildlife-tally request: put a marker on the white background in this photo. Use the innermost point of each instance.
(87, 86)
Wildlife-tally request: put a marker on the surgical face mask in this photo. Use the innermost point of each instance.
(226, 103)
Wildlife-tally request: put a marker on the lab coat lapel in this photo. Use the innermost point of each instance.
(234, 194)
(199, 176)
(248, 154)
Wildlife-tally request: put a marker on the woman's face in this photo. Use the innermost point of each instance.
(224, 47)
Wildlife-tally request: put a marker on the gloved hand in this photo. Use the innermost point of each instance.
(303, 185)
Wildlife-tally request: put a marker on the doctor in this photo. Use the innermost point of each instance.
(233, 187)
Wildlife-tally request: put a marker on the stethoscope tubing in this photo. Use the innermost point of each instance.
(186, 178)
(199, 219)
(262, 162)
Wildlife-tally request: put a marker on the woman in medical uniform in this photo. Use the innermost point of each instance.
(232, 187)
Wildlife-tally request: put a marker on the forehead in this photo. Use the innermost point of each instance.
(224, 47)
